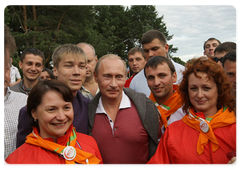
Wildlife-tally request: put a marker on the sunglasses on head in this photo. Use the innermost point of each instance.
(217, 59)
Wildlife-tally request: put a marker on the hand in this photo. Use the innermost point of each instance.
(232, 160)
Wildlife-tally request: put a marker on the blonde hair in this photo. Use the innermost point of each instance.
(62, 50)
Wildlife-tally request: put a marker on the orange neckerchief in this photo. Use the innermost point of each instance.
(222, 118)
(81, 156)
(170, 106)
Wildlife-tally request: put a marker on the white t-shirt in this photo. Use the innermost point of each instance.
(14, 73)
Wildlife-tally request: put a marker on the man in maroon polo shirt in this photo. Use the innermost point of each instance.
(123, 122)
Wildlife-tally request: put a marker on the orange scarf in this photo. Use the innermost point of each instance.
(170, 106)
(69, 152)
(222, 118)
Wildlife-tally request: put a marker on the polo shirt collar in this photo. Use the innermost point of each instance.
(125, 103)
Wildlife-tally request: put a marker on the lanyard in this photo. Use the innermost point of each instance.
(203, 123)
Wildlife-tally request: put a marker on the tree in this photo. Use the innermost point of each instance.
(110, 29)
(46, 27)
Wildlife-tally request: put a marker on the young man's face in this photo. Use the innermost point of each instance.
(210, 47)
(160, 81)
(31, 66)
(72, 71)
(155, 48)
(136, 62)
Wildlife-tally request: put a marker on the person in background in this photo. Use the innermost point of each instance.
(14, 74)
(31, 63)
(8, 48)
(70, 68)
(229, 65)
(207, 133)
(123, 122)
(154, 43)
(12, 102)
(160, 74)
(54, 140)
(136, 61)
(89, 88)
(222, 50)
(209, 47)
(46, 74)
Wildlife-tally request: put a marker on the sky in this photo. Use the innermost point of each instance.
(192, 25)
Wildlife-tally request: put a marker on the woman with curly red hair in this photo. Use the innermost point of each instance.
(207, 134)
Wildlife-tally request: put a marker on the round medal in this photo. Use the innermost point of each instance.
(69, 153)
(204, 126)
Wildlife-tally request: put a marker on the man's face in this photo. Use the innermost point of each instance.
(31, 66)
(91, 61)
(160, 81)
(71, 71)
(136, 62)
(210, 47)
(155, 48)
(230, 69)
(111, 78)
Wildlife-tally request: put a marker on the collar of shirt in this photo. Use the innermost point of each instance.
(125, 103)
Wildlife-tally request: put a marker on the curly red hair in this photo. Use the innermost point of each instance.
(214, 71)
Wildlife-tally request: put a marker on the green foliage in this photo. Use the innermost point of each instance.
(110, 29)
(178, 60)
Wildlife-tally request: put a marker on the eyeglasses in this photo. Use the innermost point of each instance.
(217, 59)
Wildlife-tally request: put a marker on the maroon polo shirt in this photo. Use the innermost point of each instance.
(127, 142)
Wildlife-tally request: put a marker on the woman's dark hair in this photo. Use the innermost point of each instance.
(42, 87)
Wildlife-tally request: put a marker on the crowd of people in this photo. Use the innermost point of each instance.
(87, 111)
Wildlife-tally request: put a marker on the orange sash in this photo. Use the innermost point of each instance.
(68, 151)
(170, 106)
(222, 118)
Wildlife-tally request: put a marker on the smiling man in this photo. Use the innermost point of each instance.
(123, 122)
(31, 63)
(70, 68)
(160, 74)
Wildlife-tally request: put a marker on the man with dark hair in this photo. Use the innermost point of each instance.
(222, 50)
(154, 44)
(209, 47)
(31, 62)
(136, 61)
(229, 65)
(160, 74)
